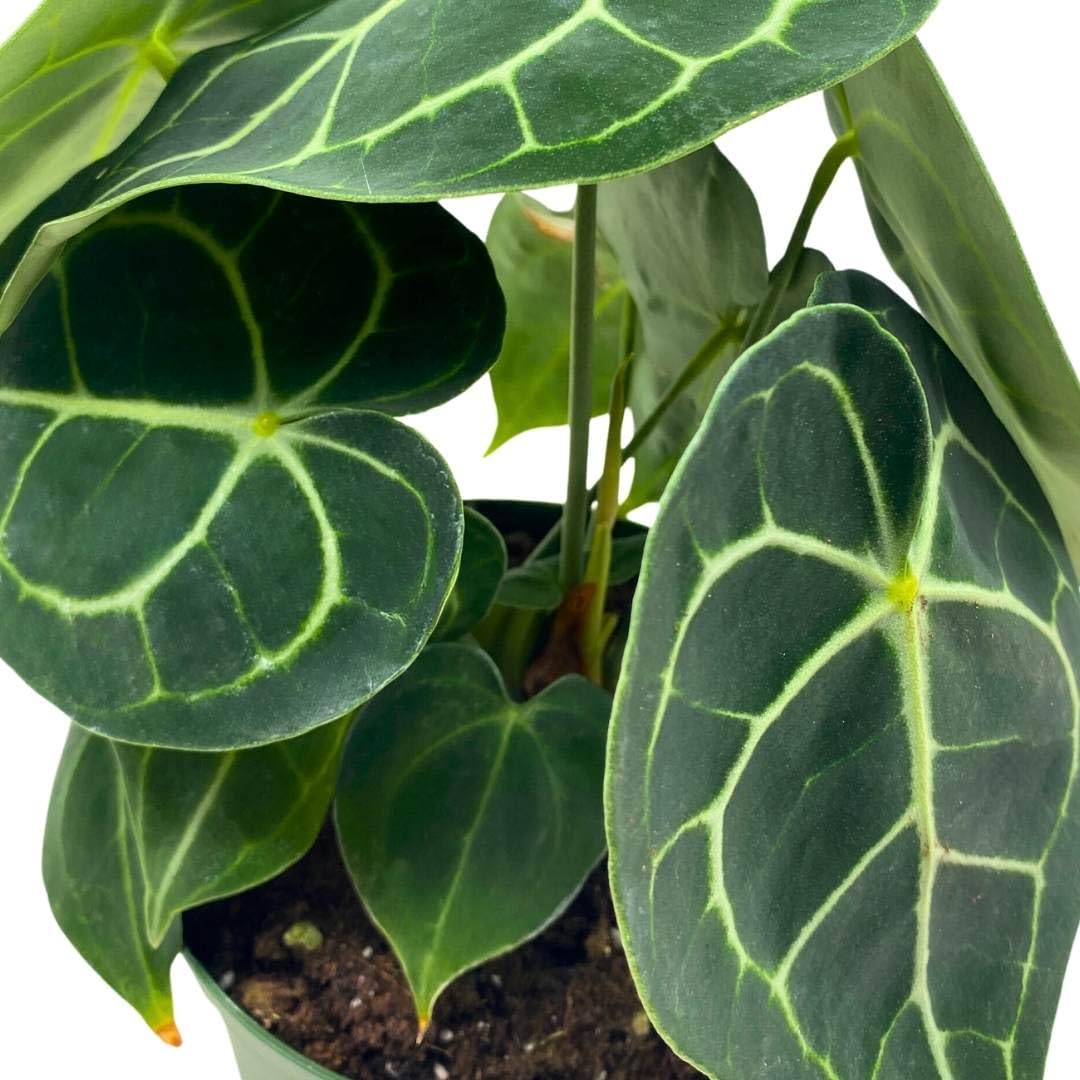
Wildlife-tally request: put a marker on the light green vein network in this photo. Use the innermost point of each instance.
(250, 448)
(306, 425)
(902, 593)
(286, 141)
(501, 77)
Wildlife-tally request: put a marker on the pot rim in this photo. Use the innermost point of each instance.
(233, 1012)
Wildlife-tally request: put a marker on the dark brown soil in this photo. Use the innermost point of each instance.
(561, 1008)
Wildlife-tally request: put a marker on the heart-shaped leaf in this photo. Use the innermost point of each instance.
(405, 101)
(690, 243)
(532, 249)
(77, 78)
(198, 547)
(137, 836)
(212, 825)
(842, 769)
(943, 226)
(468, 821)
(483, 564)
(91, 868)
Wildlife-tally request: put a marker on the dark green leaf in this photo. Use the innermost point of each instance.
(811, 265)
(200, 548)
(404, 100)
(77, 78)
(690, 243)
(842, 777)
(483, 563)
(208, 826)
(468, 821)
(92, 876)
(626, 555)
(536, 585)
(533, 586)
(942, 225)
(137, 836)
(532, 249)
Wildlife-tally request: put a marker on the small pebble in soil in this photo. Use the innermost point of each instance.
(446, 1035)
(640, 1025)
(442, 1072)
(303, 935)
(227, 981)
(367, 953)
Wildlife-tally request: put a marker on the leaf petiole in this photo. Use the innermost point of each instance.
(582, 314)
(713, 346)
(595, 629)
(845, 147)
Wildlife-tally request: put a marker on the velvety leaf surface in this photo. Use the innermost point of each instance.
(943, 226)
(468, 821)
(689, 240)
(76, 78)
(137, 836)
(811, 265)
(92, 876)
(212, 825)
(409, 99)
(842, 798)
(199, 546)
(532, 249)
(483, 564)
(532, 587)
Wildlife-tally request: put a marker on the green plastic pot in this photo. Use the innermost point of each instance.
(259, 1054)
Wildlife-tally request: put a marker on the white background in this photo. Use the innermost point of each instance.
(1012, 69)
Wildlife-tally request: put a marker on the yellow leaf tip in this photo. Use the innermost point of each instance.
(423, 1022)
(169, 1033)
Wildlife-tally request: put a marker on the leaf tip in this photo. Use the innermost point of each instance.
(554, 228)
(169, 1033)
(423, 1022)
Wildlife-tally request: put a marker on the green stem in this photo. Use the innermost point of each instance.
(845, 147)
(582, 312)
(628, 333)
(593, 637)
(695, 366)
(782, 277)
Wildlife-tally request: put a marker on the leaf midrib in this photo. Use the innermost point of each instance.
(906, 628)
(235, 422)
(509, 722)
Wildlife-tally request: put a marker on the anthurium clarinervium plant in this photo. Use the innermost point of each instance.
(840, 789)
